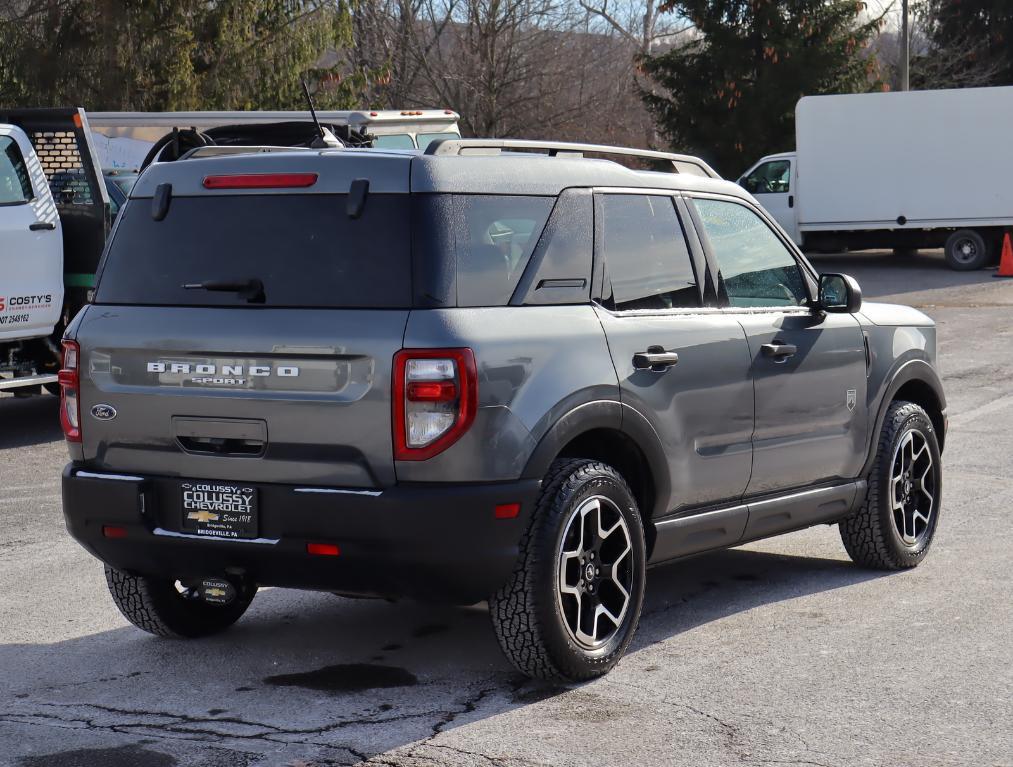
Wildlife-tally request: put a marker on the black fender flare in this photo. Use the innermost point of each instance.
(912, 370)
(606, 414)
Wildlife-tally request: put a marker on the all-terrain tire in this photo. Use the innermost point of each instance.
(871, 536)
(156, 606)
(526, 612)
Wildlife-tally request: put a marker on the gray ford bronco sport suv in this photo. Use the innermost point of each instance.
(494, 370)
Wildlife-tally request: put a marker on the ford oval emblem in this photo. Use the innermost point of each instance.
(103, 412)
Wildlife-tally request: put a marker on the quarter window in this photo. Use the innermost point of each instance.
(15, 186)
(754, 266)
(645, 254)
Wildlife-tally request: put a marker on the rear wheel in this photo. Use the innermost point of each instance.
(895, 526)
(966, 250)
(167, 608)
(572, 604)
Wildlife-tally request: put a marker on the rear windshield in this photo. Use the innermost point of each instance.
(304, 249)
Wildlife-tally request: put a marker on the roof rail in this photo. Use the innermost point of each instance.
(681, 163)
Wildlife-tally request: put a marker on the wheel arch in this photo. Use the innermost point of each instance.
(915, 381)
(620, 436)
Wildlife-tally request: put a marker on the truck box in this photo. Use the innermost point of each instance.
(907, 170)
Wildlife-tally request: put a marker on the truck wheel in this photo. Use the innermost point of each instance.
(894, 528)
(572, 604)
(160, 607)
(966, 250)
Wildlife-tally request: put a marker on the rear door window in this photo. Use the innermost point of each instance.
(645, 254)
(15, 186)
(305, 250)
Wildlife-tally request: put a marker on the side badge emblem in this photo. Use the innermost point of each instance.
(852, 398)
(103, 412)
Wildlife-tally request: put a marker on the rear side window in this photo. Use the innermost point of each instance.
(304, 249)
(15, 187)
(646, 254)
(394, 141)
(471, 249)
(495, 237)
(425, 139)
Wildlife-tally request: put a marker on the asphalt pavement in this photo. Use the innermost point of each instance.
(777, 653)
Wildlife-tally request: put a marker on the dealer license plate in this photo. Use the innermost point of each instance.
(219, 510)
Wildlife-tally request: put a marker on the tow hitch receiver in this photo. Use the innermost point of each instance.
(217, 591)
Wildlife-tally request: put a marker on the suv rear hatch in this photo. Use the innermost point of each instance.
(245, 321)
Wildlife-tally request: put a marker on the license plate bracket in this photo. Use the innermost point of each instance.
(219, 509)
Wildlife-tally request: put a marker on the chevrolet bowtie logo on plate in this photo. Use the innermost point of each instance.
(203, 516)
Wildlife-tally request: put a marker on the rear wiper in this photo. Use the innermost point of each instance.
(252, 290)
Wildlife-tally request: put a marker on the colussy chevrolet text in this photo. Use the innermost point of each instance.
(493, 370)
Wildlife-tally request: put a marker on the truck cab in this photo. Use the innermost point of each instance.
(54, 219)
(772, 182)
(31, 243)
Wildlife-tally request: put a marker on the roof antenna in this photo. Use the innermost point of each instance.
(325, 139)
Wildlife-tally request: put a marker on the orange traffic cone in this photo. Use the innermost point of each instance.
(1006, 262)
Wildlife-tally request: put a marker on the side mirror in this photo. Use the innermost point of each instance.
(839, 293)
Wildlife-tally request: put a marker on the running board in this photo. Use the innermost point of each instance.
(749, 521)
(17, 383)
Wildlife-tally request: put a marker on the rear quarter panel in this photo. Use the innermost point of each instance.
(535, 364)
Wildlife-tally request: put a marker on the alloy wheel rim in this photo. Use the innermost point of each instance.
(594, 573)
(912, 488)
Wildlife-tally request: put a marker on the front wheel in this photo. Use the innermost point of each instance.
(572, 604)
(167, 608)
(895, 526)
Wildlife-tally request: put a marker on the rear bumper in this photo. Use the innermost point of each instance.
(440, 542)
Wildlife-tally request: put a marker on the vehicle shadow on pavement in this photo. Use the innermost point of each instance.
(335, 680)
(28, 421)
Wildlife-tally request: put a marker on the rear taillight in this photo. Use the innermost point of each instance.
(70, 392)
(435, 397)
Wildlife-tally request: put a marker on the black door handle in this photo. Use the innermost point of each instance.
(791, 201)
(779, 351)
(40, 225)
(655, 359)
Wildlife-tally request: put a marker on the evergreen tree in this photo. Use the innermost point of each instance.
(151, 55)
(970, 43)
(729, 94)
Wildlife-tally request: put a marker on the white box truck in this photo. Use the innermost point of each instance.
(905, 170)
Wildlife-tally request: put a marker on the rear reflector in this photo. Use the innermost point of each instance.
(261, 181)
(432, 391)
(508, 510)
(114, 531)
(323, 549)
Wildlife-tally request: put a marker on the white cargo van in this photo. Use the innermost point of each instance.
(906, 170)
